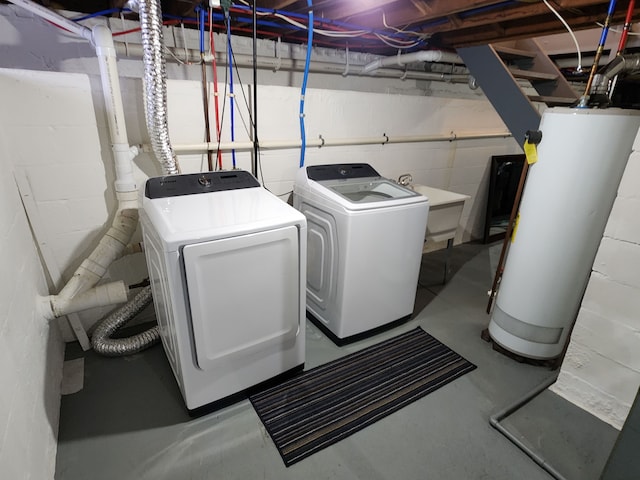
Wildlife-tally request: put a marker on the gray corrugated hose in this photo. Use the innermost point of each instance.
(155, 104)
(155, 97)
(104, 345)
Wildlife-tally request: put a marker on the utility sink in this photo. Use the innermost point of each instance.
(445, 210)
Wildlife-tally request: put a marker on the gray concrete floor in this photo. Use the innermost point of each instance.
(129, 422)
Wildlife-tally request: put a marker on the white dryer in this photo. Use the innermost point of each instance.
(227, 263)
(365, 239)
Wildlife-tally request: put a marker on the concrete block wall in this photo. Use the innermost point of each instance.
(53, 144)
(601, 370)
(31, 349)
(68, 164)
(461, 166)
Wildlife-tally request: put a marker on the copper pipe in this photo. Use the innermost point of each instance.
(205, 103)
(507, 235)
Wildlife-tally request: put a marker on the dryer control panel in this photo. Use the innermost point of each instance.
(194, 183)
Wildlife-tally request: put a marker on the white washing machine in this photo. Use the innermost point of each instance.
(227, 264)
(365, 239)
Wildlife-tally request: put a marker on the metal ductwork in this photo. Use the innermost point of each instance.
(620, 64)
(101, 339)
(155, 82)
(421, 56)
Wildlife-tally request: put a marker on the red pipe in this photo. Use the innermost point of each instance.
(627, 26)
(215, 85)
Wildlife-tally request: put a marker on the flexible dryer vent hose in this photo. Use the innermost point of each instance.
(105, 345)
(155, 82)
(155, 102)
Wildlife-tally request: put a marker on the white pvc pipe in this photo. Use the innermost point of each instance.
(54, 17)
(337, 142)
(125, 220)
(100, 296)
(123, 154)
(292, 65)
(421, 56)
(110, 248)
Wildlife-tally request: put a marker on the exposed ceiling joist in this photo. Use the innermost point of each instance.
(442, 23)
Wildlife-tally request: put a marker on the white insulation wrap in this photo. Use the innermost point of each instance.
(563, 213)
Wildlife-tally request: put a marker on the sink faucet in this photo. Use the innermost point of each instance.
(405, 179)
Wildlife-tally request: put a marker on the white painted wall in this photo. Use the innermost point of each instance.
(460, 166)
(71, 176)
(601, 370)
(31, 352)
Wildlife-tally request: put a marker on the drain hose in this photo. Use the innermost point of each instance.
(105, 345)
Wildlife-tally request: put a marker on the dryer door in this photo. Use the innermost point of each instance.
(244, 294)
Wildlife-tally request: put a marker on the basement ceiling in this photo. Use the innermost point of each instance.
(411, 24)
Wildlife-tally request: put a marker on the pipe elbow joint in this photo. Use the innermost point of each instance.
(102, 41)
(103, 295)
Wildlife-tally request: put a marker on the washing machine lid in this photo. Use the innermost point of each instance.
(368, 190)
(358, 186)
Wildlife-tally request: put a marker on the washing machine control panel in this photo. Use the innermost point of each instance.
(194, 183)
(341, 170)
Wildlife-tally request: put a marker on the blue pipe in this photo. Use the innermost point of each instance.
(101, 13)
(267, 23)
(201, 23)
(605, 30)
(230, 56)
(322, 20)
(303, 134)
(488, 8)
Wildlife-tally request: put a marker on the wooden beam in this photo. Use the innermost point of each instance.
(276, 4)
(342, 10)
(531, 27)
(434, 9)
(513, 13)
(442, 8)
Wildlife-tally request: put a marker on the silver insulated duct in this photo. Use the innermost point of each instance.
(104, 345)
(155, 104)
(155, 83)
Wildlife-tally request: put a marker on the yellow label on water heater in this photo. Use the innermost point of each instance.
(531, 152)
(515, 228)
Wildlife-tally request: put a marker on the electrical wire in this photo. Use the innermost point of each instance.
(231, 94)
(617, 30)
(244, 96)
(384, 39)
(303, 133)
(101, 13)
(366, 36)
(573, 37)
(224, 107)
(205, 91)
(214, 67)
(254, 43)
(347, 30)
(423, 36)
(175, 57)
(397, 38)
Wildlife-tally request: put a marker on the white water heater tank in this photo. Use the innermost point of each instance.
(565, 206)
